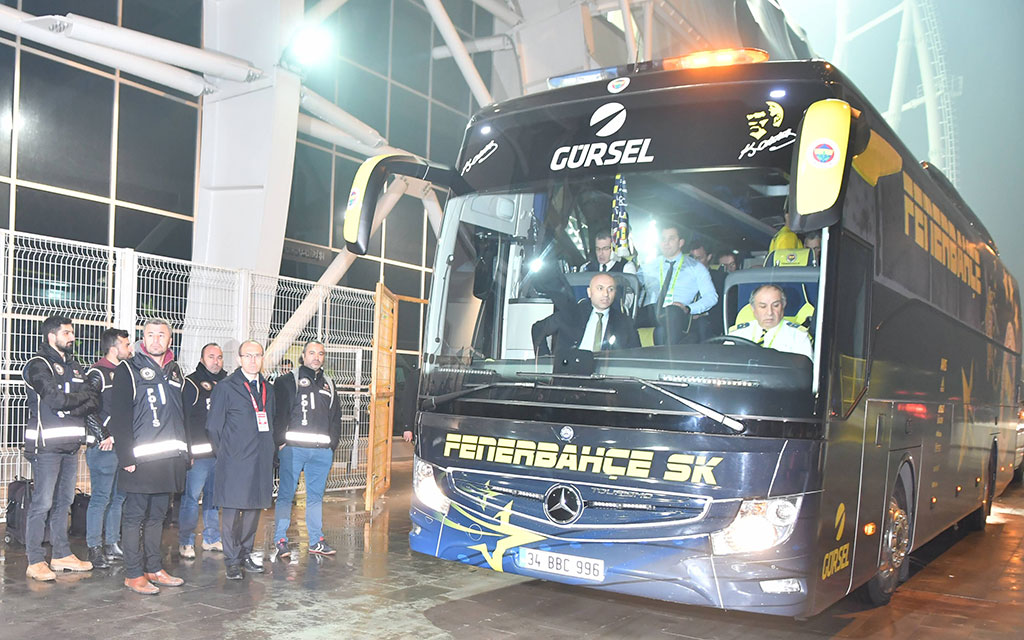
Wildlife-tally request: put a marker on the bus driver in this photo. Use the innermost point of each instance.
(770, 329)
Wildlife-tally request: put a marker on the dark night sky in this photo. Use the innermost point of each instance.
(981, 51)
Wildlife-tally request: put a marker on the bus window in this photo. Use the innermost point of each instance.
(852, 310)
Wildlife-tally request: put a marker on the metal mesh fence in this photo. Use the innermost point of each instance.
(99, 287)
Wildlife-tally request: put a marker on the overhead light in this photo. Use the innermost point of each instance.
(311, 46)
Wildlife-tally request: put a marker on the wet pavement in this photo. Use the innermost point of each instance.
(962, 586)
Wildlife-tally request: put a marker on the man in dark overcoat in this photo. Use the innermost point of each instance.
(240, 425)
(148, 427)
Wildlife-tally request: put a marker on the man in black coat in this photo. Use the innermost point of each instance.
(240, 425)
(148, 426)
(595, 325)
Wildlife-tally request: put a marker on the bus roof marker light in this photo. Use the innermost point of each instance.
(716, 58)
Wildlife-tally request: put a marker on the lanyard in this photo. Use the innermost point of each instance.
(263, 401)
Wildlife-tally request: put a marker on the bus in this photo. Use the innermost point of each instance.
(717, 473)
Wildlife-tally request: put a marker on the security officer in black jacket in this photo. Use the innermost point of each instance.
(307, 430)
(200, 479)
(148, 426)
(58, 401)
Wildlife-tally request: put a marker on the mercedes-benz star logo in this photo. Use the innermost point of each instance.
(563, 504)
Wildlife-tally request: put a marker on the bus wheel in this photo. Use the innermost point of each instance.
(895, 550)
(976, 520)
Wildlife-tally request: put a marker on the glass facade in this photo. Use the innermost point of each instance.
(384, 75)
(91, 155)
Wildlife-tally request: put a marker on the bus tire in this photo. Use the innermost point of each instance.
(895, 550)
(976, 520)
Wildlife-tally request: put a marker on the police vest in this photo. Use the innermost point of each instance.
(50, 430)
(198, 412)
(158, 423)
(309, 420)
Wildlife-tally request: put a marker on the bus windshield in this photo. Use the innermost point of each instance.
(508, 330)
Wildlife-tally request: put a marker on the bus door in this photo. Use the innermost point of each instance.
(874, 487)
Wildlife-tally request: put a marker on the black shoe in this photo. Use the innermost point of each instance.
(98, 558)
(234, 572)
(114, 552)
(250, 566)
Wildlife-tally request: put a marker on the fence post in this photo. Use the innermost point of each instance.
(244, 304)
(126, 290)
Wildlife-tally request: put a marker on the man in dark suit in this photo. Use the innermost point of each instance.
(240, 425)
(595, 325)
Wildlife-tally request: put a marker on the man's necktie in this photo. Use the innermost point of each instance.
(604, 268)
(760, 339)
(598, 332)
(666, 284)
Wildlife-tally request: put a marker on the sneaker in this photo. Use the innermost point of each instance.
(70, 563)
(321, 548)
(187, 551)
(282, 548)
(213, 546)
(40, 571)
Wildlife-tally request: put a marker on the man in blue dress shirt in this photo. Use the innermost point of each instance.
(677, 287)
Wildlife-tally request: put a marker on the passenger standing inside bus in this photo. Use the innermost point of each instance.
(678, 287)
(200, 478)
(58, 401)
(103, 518)
(770, 329)
(307, 431)
(606, 261)
(148, 426)
(240, 424)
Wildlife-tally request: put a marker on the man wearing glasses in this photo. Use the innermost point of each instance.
(606, 261)
(240, 425)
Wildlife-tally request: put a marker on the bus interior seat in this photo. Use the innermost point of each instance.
(789, 258)
(799, 283)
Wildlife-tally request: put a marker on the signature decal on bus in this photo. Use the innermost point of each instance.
(839, 558)
(763, 122)
(609, 461)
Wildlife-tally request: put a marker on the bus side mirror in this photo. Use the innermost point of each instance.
(369, 183)
(829, 135)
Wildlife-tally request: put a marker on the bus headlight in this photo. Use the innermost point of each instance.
(426, 489)
(759, 525)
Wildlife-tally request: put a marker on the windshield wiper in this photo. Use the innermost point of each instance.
(702, 409)
(431, 402)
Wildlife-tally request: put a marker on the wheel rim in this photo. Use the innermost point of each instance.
(897, 539)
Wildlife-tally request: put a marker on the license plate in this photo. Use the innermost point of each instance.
(562, 564)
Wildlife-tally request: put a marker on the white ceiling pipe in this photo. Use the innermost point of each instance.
(326, 110)
(180, 55)
(630, 33)
(490, 43)
(500, 10)
(328, 133)
(462, 59)
(14, 21)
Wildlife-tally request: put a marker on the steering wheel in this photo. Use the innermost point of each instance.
(727, 339)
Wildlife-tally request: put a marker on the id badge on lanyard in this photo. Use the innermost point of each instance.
(262, 424)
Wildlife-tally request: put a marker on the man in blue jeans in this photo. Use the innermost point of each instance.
(103, 518)
(58, 401)
(307, 428)
(195, 397)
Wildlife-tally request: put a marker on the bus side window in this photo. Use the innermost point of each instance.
(854, 277)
